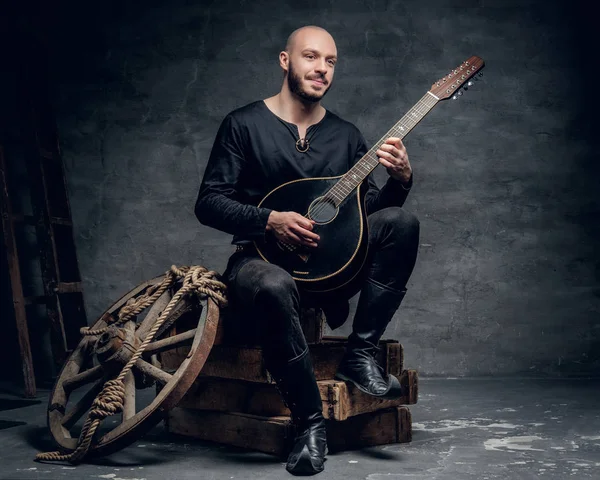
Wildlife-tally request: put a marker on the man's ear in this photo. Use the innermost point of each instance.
(284, 60)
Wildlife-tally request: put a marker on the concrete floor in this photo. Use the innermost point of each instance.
(462, 429)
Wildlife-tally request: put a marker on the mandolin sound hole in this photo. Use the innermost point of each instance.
(322, 210)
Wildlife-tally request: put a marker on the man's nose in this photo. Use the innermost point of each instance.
(321, 66)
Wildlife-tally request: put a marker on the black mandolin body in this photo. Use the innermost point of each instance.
(343, 232)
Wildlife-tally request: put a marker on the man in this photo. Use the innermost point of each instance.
(285, 137)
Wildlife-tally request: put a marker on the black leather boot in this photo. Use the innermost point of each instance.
(298, 387)
(376, 307)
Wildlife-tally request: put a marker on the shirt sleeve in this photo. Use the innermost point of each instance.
(218, 204)
(392, 194)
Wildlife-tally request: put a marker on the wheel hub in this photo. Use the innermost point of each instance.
(115, 347)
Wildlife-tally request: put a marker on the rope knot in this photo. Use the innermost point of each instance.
(109, 401)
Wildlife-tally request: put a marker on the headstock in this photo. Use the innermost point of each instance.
(460, 77)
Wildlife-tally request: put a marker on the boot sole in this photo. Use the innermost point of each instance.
(304, 466)
(387, 395)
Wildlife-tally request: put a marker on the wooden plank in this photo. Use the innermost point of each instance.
(382, 427)
(394, 358)
(226, 395)
(31, 220)
(274, 435)
(68, 287)
(340, 400)
(48, 262)
(246, 363)
(265, 434)
(16, 284)
(343, 400)
(413, 385)
(235, 362)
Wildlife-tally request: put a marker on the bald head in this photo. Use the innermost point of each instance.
(306, 34)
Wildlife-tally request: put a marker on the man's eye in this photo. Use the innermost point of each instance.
(332, 63)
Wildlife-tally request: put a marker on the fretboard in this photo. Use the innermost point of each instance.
(353, 178)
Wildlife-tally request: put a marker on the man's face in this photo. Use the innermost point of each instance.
(310, 88)
(311, 65)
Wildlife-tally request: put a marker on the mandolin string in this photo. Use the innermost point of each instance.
(421, 107)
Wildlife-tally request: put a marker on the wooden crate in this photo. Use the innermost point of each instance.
(340, 400)
(246, 363)
(274, 435)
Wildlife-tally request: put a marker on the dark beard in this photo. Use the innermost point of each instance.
(295, 86)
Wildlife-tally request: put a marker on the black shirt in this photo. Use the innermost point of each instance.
(254, 152)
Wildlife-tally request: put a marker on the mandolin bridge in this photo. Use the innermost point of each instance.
(289, 248)
(304, 256)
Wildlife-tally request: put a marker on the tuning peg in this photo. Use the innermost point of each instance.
(454, 97)
(470, 83)
(460, 92)
(481, 74)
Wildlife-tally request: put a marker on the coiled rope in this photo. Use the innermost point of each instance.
(196, 280)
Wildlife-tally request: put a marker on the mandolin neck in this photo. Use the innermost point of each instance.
(355, 176)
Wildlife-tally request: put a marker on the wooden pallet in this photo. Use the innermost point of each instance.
(246, 363)
(274, 435)
(340, 400)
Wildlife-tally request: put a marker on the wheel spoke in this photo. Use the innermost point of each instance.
(129, 401)
(154, 372)
(82, 405)
(82, 378)
(153, 314)
(179, 340)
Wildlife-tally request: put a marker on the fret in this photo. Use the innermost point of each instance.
(356, 175)
(335, 198)
(341, 190)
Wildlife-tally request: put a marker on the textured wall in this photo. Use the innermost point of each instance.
(506, 181)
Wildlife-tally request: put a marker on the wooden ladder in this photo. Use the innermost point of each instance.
(32, 141)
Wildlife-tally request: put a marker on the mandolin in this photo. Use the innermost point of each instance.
(336, 204)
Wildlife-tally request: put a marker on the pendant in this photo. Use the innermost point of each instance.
(302, 145)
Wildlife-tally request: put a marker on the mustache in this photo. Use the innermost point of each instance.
(319, 77)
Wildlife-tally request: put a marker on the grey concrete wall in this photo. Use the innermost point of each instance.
(506, 178)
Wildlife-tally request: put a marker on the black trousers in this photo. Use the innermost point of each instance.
(266, 302)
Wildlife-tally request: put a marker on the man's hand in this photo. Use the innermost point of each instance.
(291, 227)
(392, 155)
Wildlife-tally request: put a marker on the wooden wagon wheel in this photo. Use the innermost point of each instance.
(100, 358)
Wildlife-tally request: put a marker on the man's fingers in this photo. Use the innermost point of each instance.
(385, 163)
(395, 141)
(293, 238)
(303, 232)
(388, 157)
(303, 221)
(391, 150)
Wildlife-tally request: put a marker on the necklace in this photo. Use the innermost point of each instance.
(302, 145)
